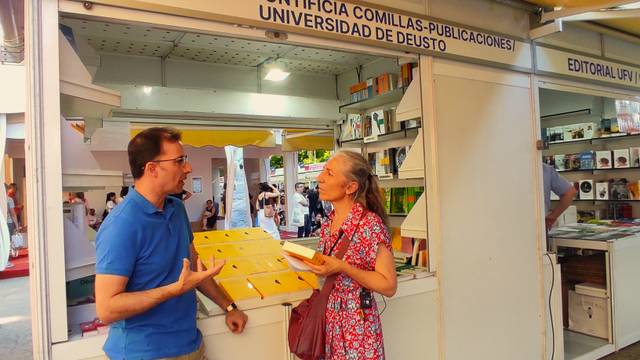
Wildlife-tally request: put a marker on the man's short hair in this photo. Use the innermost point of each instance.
(147, 145)
(299, 184)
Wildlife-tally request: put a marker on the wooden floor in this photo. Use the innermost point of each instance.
(631, 352)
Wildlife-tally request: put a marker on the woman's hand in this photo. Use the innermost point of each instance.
(332, 265)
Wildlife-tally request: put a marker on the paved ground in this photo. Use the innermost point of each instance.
(15, 319)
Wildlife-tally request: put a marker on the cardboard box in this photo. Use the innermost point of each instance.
(589, 314)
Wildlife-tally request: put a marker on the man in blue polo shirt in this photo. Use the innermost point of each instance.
(144, 281)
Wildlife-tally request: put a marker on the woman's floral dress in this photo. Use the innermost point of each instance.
(351, 334)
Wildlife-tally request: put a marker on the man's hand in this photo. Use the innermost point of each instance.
(236, 320)
(190, 279)
(549, 221)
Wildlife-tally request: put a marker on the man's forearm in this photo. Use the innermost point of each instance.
(128, 304)
(213, 291)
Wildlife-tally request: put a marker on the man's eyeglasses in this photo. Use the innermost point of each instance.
(180, 160)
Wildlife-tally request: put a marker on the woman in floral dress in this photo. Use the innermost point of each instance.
(354, 331)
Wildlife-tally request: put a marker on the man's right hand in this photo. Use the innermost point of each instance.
(191, 279)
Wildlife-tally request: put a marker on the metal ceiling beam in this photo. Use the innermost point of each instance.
(559, 14)
(605, 15)
(545, 30)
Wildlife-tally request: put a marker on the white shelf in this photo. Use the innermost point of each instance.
(79, 96)
(413, 165)
(401, 183)
(410, 106)
(415, 224)
(76, 179)
(386, 99)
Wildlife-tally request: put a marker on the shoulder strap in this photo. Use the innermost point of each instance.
(342, 249)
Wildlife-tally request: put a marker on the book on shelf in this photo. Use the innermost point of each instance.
(400, 154)
(628, 116)
(559, 162)
(634, 190)
(587, 160)
(618, 189)
(381, 162)
(634, 156)
(302, 253)
(378, 122)
(602, 191)
(621, 158)
(549, 160)
(603, 159)
(352, 127)
(406, 74)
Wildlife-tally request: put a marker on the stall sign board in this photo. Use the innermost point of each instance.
(354, 21)
(564, 63)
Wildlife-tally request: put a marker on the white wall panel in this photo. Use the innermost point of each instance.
(619, 49)
(575, 38)
(13, 92)
(488, 176)
(495, 16)
(120, 69)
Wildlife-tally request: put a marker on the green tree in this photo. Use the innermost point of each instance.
(277, 162)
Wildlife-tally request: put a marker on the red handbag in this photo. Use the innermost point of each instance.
(307, 321)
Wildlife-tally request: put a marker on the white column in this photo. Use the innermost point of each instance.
(265, 168)
(44, 177)
(290, 180)
(5, 237)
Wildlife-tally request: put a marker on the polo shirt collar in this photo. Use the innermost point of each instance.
(147, 206)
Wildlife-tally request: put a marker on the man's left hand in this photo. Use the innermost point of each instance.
(549, 221)
(236, 320)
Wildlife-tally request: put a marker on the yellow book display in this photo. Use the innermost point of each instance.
(239, 289)
(278, 283)
(255, 267)
(310, 278)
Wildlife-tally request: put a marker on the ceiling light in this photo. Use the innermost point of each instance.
(147, 89)
(276, 74)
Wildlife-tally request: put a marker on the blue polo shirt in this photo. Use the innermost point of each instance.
(147, 245)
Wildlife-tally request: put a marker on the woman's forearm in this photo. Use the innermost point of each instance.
(372, 280)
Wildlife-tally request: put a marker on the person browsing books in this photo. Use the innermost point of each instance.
(266, 204)
(145, 283)
(353, 326)
(552, 181)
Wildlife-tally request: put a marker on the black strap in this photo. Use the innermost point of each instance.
(340, 234)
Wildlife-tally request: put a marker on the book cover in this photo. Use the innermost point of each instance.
(603, 159)
(378, 123)
(587, 160)
(621, 158)
(400, 154)
(618, 189)
(634, 156)
(302, 252)
(355, 122)
(549, 160)
(383, 162)
(346, 131)
(634, 190)
(397, 205)
(571, 162)
(559, 161)
(602, 190)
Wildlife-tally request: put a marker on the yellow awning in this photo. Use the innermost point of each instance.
(315, 140)
(221, 138)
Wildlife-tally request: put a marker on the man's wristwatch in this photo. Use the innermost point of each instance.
(231, 307)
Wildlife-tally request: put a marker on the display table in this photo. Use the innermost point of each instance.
(621, 248)
(409, 327)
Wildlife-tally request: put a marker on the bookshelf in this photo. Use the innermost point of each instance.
(595, 139)
(379, 101)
